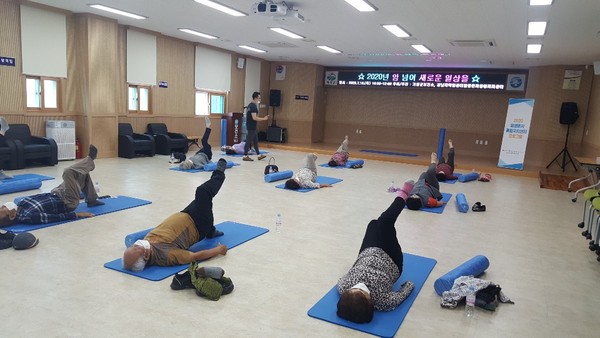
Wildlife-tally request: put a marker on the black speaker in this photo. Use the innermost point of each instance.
(275, 98)
(568, 113)
(276, 134)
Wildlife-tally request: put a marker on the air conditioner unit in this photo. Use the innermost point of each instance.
(63, 132)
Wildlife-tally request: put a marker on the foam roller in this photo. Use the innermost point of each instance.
(468, 177)
(461, 202)
(473, 267)
(351, 163)
(131, 238)
(212, 166)
(441, 138)
(278, 176)
(8, 186)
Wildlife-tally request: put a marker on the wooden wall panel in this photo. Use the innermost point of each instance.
(235, 100)
(104, 135)
(299, 80)
(175, 64)
(591, 130)
(12, 82)
(102, 59)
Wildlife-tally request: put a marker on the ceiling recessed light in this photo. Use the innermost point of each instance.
(286, 33)
(118, 11)
(397, 31)
(536, 28)
(534, 48)
(422, 49)
(330, 50)
(252, 49)
(203, 35)
(219, 7)
(362, 5)
(540, 2)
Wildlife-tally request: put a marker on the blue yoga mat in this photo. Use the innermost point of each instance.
(27, 176)
(111, 204)
(384, 324)
(229, 165)
(388, 153)
(453, 181)
(320, 180)
(438, 210)
(235, 234)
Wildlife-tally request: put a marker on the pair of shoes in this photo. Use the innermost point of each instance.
(95, 203)
(247, 158)
(260, 157)
(478, 207)
(213, 272)
(182, 281)
(357, 166)
(227, 285)
(216, 233)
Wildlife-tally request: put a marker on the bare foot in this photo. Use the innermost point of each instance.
(434, 158)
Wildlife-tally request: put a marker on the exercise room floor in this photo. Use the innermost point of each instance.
(536, 252)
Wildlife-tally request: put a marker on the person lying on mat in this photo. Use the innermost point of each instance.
(306, 177)
(237, 149)
(445, 170)
(168, 243)
(426, 191)
(57, 205)
(202, 156)
(341, 155)
(368, 284)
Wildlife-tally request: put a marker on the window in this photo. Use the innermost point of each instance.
(42, 93)
(139, 99)
(210, 103)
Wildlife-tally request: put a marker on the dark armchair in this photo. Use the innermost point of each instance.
(131, 143)
(166, 142)
(32, 148)
(9, 157)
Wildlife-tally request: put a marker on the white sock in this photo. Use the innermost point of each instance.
(207, 121)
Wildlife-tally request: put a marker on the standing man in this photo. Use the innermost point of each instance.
(251, 119)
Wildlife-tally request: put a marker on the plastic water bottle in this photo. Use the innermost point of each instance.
(470, 303)
(278, 223)
(97, 187)
(392, 187)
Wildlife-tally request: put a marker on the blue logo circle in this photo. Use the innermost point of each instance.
(516, 82)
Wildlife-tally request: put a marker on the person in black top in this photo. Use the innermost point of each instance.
(251, 119)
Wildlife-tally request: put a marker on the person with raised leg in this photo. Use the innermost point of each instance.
(168, 243)
(60, 203)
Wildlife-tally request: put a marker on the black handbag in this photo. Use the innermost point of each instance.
(271, 168)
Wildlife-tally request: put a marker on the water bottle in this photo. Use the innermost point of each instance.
(470, 303)
(392, 187)
(278, 223)
(97, 187)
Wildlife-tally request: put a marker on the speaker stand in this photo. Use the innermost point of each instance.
(565, 153)
(273, 124)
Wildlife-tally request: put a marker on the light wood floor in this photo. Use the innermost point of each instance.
(536, 253)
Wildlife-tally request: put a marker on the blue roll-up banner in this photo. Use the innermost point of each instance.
(223, 132)
(516, 132)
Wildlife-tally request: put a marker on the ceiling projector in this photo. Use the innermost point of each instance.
(270, 8)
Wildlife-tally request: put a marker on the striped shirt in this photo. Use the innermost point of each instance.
(43, 208)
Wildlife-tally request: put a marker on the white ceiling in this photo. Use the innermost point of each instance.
(572, 36)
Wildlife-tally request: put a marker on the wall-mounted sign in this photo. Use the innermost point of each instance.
(163, 84)
(302, 97)
(6, 61)
(429, 79)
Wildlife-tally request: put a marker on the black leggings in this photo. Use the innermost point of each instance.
(450, 158)
(381, 233)
(206, 148)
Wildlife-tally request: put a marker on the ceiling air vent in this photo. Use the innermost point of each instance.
(473, 43)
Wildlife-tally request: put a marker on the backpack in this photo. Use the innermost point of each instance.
(271, 168)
